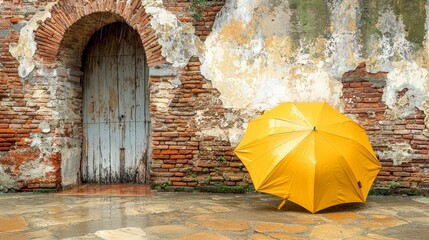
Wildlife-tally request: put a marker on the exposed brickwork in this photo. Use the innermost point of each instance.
(41, 116)
(362, 94)
(19, 118)
(208, 13)
(73, 23)
(182, 156)
(52, 94)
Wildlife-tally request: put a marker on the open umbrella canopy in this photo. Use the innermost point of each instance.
(310, 154)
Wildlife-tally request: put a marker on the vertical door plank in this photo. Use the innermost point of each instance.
(115, 133)
(85, 119)
(95, 133)
(126, 88)
(104, 82)
(141, 118)
(121, 117)
(93, 123)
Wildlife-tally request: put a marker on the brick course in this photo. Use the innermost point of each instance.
(181, 155)
(362, 93)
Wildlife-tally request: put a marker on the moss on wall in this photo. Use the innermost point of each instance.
(369, 14)
(411, 12)
(310, 17)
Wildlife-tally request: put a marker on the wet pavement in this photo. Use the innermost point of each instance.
(206, 216)
(121, 190)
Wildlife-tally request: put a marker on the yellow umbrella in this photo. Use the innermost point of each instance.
(310, 154)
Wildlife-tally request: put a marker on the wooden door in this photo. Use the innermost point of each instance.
(115, 107)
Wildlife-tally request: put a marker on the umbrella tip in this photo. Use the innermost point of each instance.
(282, 203)
(314, 128)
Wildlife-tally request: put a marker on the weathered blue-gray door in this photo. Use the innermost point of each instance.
(115, 107)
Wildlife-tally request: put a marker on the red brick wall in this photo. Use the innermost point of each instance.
(362, 93)
(61, 39)
(181, 155)
(19, 116)
(51, 95)
(208, 13)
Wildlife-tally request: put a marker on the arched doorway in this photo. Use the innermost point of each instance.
(115, 107)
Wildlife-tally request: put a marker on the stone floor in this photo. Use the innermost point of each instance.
(203, 216)
(121, 190)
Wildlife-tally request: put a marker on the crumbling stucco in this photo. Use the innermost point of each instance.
(343, 49)
(256, 52)
(397, 50)
(69, 150)
(413, 79)
(44, 126)
(260, 53)
(215, 132)
(38, 168)
(26, 47)
(162, 94)
(399, 153)
(178, 40)
(7, 182)
(255, 69)
(34, 169)
(71, 154)
(426, 111)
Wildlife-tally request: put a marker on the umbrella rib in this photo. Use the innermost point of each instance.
(333, 123)
(367, 151)
(272, 134)
(269, 150)
(291, 152)
(320, 113)
(280, 119)
(354, 180)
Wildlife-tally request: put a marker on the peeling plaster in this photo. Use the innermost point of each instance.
(393, 43)
(215, 132)
(406, 75)
(43, 143)
(45, 127)
(178, 40)
(393, 53)
(161, 94)
(399, 153)
(69, 148)
(26, 47)
(254, 69)
(343, 50)
(426, 111)
(235, 135)
(152, 3)
(6, 181)
(164, 71)
(34, 169)
(255, 59)
(71, 154)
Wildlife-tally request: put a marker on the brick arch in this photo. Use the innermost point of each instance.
(63, 36)
(61, 41)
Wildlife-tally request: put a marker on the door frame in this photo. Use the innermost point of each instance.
(143, 164)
